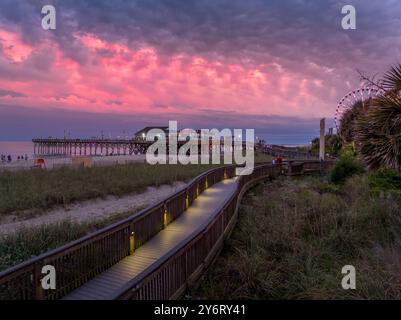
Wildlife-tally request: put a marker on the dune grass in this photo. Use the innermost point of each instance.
(42, 190)
(26, 242)
(39, 191)
(262, 157)
(294, 236)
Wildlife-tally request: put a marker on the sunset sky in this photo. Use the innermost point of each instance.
(276, 66)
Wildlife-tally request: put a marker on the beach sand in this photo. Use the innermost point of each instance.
(54, 163)
(91, 210)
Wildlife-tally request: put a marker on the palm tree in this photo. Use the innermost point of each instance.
(333, 145)
(348, 120)
(392, 80)
(378, 131)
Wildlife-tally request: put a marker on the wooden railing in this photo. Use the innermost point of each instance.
(182, 265)
(81, 260)
(305, 167)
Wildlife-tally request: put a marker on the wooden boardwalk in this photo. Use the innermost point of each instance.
(207, 205)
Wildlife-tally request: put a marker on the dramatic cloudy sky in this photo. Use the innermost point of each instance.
(113, 65)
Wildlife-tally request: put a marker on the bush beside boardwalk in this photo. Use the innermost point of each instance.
(294, 235)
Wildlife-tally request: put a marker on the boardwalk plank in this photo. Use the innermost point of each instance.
(102, 286)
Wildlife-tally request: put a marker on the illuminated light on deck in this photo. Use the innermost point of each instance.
(132, 242)
(165, 217)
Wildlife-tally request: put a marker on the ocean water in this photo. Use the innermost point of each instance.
(17, 148)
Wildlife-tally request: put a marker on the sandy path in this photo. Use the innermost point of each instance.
(92, 209)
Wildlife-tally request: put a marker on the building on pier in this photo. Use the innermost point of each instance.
(141, 134)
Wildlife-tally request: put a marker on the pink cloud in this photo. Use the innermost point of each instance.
(13, 48)
(118, 78)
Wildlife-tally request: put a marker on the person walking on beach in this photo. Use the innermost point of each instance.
(9, 158)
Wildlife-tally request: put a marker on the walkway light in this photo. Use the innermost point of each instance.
(132, 242)
(165, 217)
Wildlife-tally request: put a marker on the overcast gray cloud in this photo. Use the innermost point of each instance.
(11, 93)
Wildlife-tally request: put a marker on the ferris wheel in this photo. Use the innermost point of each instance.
(348, 101)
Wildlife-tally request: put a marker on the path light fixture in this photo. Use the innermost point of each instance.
(165, 217)
(132, 242)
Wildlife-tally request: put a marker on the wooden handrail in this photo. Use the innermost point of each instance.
(83, 259)
(105, 247)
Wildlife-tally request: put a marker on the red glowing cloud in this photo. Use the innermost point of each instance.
(118, 78)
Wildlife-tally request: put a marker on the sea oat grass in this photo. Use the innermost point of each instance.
(294, 236)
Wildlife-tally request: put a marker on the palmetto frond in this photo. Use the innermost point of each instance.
(378, 133)
(392, 79)
(349, 118)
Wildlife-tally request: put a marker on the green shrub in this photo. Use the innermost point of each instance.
(348, 151)
(385, 179)
(346, 167)
(291, 242)
(333, 145)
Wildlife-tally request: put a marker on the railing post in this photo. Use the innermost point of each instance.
(37, 281)
(289, 171)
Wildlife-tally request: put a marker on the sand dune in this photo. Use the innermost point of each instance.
(93, 209)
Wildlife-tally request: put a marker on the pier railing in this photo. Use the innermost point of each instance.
(81, 260)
